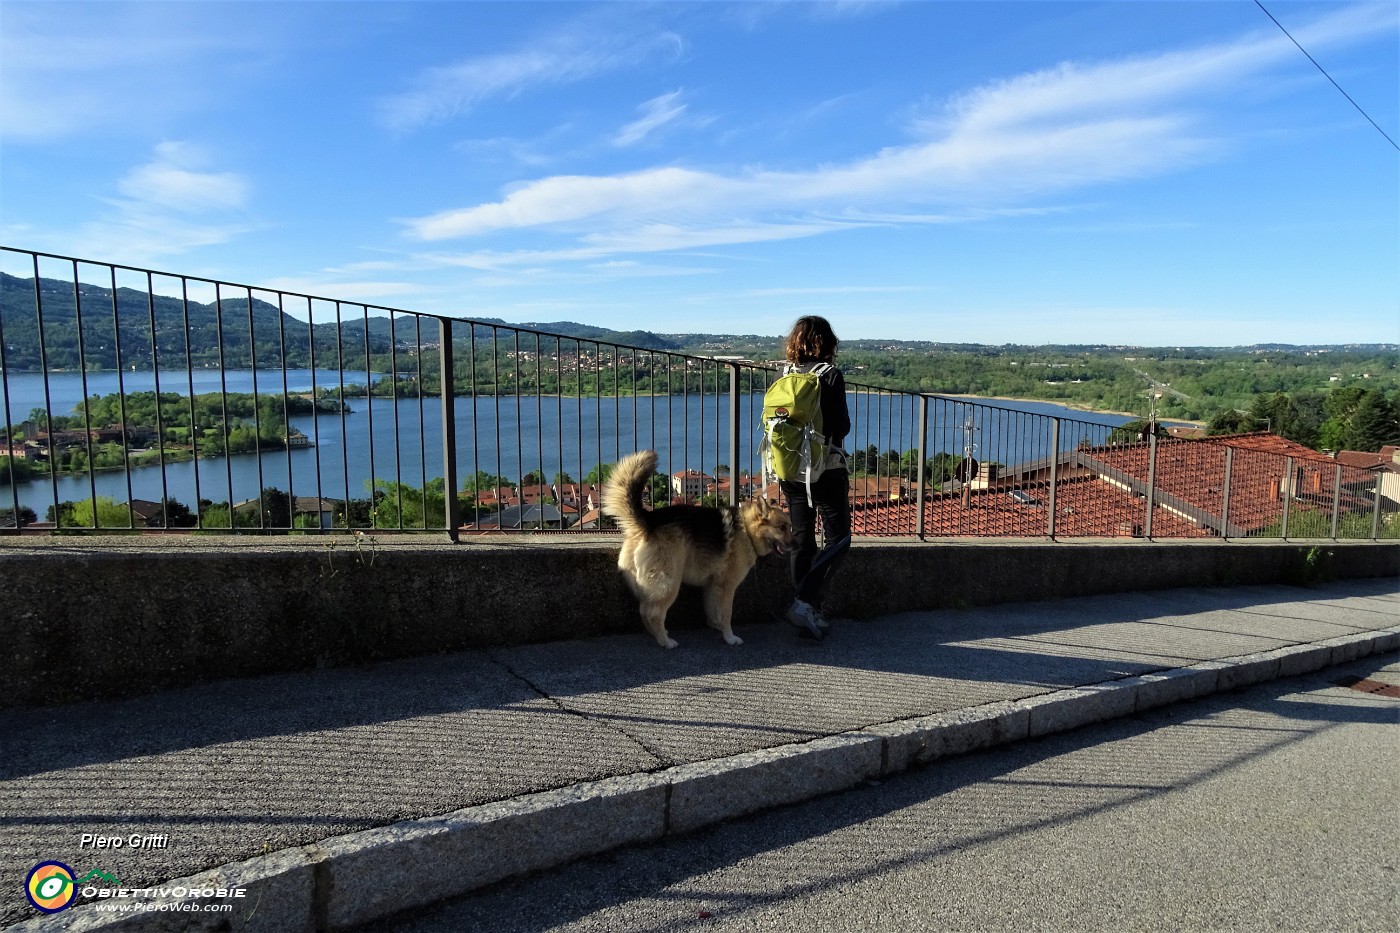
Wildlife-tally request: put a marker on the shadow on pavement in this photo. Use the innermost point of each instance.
(1000, 794)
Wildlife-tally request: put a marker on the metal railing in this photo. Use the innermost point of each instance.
(138, 400)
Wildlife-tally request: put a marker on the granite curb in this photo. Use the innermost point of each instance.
(349, 880)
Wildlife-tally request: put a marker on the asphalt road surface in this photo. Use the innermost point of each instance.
(1275, 807)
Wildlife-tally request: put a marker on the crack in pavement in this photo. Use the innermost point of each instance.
(662, 760)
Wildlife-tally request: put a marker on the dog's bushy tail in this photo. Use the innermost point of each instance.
(622, 498)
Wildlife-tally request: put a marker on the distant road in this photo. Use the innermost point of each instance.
(1276, 808)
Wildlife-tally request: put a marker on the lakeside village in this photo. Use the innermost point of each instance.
(1090, 491)
(124, 430)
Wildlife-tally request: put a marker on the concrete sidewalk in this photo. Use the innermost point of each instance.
(339, 796)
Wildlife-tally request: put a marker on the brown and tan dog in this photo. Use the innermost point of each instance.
(711, 547)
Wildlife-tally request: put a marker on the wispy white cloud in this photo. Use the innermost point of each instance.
(573, 54)
(829, 290)
(171, 181)
(564, 198)
(536, 152)
(754, 16)
(665, 237)
(993, 149)
(167, 206)
(373, 292)
(653, 238)
(656, 113)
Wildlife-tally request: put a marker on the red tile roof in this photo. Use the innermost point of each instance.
(1265, 442)
(1102, 493)
(1084, 507)
(1190, 477)
(1364, 460)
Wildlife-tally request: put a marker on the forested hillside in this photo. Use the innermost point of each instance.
(1193, 384)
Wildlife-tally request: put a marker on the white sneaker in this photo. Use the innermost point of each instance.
(806, 619)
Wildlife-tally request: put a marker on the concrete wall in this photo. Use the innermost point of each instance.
(98, 618)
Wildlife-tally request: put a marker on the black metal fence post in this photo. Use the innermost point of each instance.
(1376, 509)
(1225, 494)
(733, 433)
(1336, 499)
(1285, 489)
(1151, 481)
(921, 474)
(451, 507)
(1054, 476)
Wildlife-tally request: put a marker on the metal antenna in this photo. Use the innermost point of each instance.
(968, 462)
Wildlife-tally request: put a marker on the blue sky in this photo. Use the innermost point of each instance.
(1151, 173)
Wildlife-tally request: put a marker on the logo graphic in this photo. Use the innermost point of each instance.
(100, 876)
(50, 887)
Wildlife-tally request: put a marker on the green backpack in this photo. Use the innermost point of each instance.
(793, 445)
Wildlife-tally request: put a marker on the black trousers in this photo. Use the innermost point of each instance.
(813, 568)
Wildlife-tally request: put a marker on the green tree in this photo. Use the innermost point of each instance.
(175, 515)
(60, 516)
(24, 516)
(865, 461)
(275, 508)
(941, 467)
(1341, 408)
(401, 505)
(109, 456)
(214, 514)
(17, 470)
(1231, 421)
(481, 481)
(659, 490)
(1298, 418)
(78, 460)
(1375, 423)
(102, 512)
(909, 465)
(358, 513)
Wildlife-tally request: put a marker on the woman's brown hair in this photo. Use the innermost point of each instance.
(811, 341)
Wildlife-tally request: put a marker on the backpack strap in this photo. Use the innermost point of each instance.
(820, 371)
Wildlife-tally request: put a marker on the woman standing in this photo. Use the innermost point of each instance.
(811, 346)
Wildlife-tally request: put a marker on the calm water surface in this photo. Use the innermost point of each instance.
(509, 436)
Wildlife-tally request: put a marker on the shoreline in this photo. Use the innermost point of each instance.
(1076, 406)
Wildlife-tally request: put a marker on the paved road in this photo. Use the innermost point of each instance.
(1273, 808)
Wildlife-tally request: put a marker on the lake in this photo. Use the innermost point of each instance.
(509, 436)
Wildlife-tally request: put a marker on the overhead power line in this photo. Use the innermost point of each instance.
(1327, 76)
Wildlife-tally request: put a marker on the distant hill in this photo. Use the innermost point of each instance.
(184, 332)
(277, 336)
(644, 339)
(190, 332)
